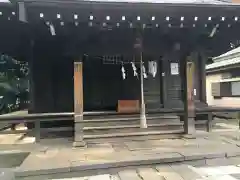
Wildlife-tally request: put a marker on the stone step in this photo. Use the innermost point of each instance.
(138, 137)
(144, 133)
(137, 126)
(130, 116)
(131, 128)
(127, 121)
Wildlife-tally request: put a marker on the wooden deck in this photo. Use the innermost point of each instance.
(16, 113)
(24, 113)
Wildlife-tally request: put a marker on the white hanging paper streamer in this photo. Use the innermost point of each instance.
(144, 72)
(152, 68)
(134, 69)
(52, 30)
(123, 72)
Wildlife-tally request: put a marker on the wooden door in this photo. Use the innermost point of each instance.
(152, 86)
(172, 90)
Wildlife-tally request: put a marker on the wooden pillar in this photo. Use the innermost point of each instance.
(189, 108)
(203, 60)
(78, 104)
(31, 75)
(164, 81)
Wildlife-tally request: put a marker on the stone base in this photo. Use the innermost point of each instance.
(79, 144)
(189, 126)
(189, 136)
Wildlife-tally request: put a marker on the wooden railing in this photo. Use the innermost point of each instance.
(36, 119)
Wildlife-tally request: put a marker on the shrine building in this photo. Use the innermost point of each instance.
(119, 57)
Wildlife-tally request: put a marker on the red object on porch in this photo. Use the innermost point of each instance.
(128, 106)
(235, 1)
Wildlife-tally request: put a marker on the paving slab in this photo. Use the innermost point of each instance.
(127, 160)
(63, 160)
(118, 146)
(196, 163)
(185, 172)
(6, 174)
(170, 143)
(233, 152)
(236, 176)
(230, 140)
(129, 175)
(97, 177)
(219, 170)
(194, 154)
(60, 157)
(149, 173)
(167, 172)
(37, 164)
(223, 161)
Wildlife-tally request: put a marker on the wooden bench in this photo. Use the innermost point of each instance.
(128, 106)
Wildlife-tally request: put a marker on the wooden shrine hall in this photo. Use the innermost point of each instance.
(117, 57)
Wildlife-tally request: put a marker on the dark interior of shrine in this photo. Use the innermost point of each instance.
(52, 75)
(52, 57)
(103, 53)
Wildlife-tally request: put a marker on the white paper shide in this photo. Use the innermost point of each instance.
(152, 68)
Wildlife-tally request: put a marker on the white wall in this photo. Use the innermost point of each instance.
(224, 101)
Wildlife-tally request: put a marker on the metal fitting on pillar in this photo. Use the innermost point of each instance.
(143, 120)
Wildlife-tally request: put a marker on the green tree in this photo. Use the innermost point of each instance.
(13, 83)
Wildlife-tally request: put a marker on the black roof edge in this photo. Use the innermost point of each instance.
(119, 2)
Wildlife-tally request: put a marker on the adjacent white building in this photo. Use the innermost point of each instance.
(223, 80)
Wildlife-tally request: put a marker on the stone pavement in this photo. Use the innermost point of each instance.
(51, 157)
(172, 172)
(211, 170)
(62, 158)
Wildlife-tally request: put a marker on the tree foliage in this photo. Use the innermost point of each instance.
(13, 83)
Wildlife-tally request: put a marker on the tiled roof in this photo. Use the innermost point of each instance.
(170, 1)
(227, 54)
(227, 59)
(224, 63)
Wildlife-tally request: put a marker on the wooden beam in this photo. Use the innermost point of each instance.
(78, 104)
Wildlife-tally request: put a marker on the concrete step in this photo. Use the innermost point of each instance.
(139, 137)
(130, 116)
(130, 128)
(134, 134)
(128, 121)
